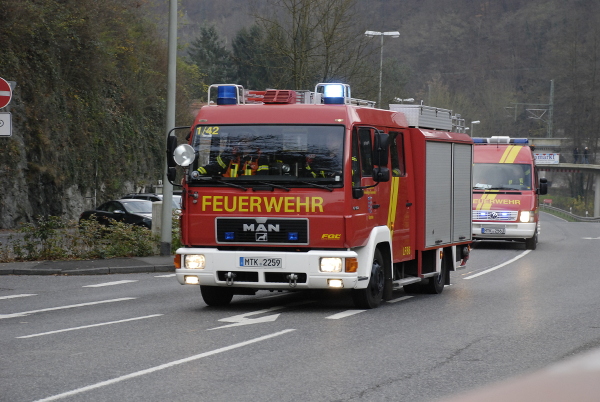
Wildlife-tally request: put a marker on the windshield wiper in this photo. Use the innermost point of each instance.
(274, 185)
(218, 180)
(317, 185)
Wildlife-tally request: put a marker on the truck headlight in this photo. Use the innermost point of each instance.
(195, 261)
(526, 216)
(331, 264)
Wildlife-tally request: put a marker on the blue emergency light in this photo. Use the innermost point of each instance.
(227, 95)
(500, 140)
(229, 235)
(292, 236)
(334, 93)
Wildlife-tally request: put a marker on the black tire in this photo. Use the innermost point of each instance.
(216, 296)
(531, 243)
(435, 285)
(371, 296)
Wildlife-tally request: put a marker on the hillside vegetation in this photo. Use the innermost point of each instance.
(89, 107)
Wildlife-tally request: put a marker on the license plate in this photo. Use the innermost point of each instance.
(493, 231)
(260, 262)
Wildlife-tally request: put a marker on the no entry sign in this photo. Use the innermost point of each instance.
(5, 93)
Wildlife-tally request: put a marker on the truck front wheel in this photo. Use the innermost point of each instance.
(216, 296)
(531, 243)
(371, 296)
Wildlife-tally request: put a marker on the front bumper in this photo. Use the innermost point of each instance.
(304, 265)
(513, 230)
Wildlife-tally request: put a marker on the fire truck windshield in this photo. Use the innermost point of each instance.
(501, 176)
(273, 153)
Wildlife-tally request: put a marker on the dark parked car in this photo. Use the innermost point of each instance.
(156, 197)
(135, 212)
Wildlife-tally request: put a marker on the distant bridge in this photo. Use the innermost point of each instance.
(578, 168)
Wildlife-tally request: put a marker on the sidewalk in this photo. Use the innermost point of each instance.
(90, 267)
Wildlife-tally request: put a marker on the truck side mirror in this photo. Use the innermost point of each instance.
(171, 145)
(380, 148)
(357, 193)
(171, 174)
(381, 174)
(543, 186)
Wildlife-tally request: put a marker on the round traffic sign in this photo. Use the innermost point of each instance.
(5, 93)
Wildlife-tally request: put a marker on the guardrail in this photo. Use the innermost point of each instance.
(567, 215)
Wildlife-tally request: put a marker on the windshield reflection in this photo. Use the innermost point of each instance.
(501, 176)
(274, 153)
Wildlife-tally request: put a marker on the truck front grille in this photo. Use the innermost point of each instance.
(501, 216)
(263, 231)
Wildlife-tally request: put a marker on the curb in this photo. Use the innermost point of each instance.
(88, 271)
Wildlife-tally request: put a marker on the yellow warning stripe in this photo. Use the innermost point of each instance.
(510, 154)
(482, 205)
(393, 204)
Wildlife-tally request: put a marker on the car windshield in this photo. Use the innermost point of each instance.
(138, 206)
(507, 176)
(275, 153)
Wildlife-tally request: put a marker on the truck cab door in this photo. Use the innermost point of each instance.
(401, 199)
(365, 202)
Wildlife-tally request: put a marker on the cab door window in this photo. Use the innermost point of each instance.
(397, 154)
(365, 151)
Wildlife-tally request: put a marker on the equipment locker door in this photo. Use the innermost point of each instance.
(438, 193)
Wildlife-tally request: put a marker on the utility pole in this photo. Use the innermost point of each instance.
(550, 108)
(167, 201)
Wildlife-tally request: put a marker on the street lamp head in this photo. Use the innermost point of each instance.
(475, 122)
(372, 33)
(393, 34)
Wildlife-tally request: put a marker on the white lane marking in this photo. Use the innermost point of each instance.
(163, 366)
(523, 254)
(344, 314)
(25, 313)
(591, 238)
(88, 326)
(399, 299)
(241, 319)
(164, 276)
(15, 296)
(109, 284)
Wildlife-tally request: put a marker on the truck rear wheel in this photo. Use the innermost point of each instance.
(436, 283)
(371, 296)
(216, 296)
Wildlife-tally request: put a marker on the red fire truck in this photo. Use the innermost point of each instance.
(506, 191)
(296, 190)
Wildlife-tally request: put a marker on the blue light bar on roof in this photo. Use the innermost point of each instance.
(227, 95)
(500, 140)
(334, 93)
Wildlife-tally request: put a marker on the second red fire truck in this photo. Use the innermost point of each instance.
(296, 190)
(506, 191)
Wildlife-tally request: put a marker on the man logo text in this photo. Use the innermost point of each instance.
(260, 228)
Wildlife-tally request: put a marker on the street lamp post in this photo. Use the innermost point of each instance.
(393, 34)
(474, 122)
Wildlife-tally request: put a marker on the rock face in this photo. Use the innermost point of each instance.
(42, 180)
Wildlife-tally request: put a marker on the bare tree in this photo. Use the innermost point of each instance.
(314, 41)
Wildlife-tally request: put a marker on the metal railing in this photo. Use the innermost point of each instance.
(567, 215)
